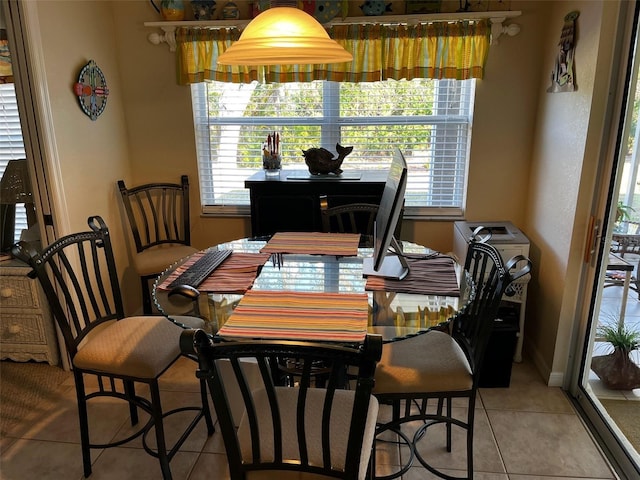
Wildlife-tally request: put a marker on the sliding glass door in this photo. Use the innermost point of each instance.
(607, 384)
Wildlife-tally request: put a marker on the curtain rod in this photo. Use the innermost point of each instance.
(497, 18)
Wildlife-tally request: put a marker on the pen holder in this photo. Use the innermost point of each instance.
(272, 163)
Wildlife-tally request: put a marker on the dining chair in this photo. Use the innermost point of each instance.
(420, 376)
(351, 218)
(314, 431)
(158, 214)
(78, 275)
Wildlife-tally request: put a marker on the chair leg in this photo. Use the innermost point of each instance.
(449, 415)
(470, 427)
(159, 426)
(130, 392)
(84, 422)
(147, 308)
(206, 411)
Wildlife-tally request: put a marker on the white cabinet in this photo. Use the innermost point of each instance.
(27, 331)
(509, 241)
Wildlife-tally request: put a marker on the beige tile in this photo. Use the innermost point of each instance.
(418, 473)
(39, 412)
(546, 477)
(214, 443)
(527, 392)
(174, 424)
(6, 442)
(42, 460)
(432, 447)
(598, 389)
(387, 448)
(384, 470)
(528, 424)
(546, 444)
(106, 417)
(181, 376)
(210, 466)
(123, 463)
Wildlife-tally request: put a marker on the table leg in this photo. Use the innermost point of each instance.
(625, 296)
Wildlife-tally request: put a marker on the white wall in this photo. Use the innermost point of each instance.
(92, 155)
(565, 157)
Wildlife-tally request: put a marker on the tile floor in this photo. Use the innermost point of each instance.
(525, 432)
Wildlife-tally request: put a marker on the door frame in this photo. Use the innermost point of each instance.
(34, 106)
(36, 119)
(599, 238)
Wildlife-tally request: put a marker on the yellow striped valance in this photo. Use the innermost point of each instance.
(436, 50)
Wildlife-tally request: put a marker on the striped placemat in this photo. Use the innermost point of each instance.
(299, 316)
(235, 275)
(313, 243)
(433, 276)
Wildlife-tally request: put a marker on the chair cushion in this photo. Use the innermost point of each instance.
(428, 363)
(154, 260)
(141, 347)
(339, 427)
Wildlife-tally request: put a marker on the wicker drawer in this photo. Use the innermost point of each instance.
(27, 331)
(22, 328)
(18, 291)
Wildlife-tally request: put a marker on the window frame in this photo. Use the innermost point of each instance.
(331, 124)
(12, 145)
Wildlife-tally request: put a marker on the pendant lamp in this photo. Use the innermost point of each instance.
(284, 36)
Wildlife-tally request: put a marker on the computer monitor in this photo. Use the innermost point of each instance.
(386, 263)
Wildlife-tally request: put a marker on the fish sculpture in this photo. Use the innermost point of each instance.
(321, 161)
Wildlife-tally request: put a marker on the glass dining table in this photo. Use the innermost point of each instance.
(395, 315)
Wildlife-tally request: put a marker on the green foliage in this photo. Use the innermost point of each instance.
(620, 337)
(358, 103)
(634, 121)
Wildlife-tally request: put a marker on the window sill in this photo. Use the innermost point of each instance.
(410, 213)
(497, 18)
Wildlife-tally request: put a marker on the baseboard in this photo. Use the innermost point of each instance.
(553, 379)
(556, 379)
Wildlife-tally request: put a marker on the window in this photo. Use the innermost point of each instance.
(429, 120)
(11, 144)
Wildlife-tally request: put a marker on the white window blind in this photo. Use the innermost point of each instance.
(11, 143)
(428, 120)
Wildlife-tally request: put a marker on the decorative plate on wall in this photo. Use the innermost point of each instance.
(91, 89)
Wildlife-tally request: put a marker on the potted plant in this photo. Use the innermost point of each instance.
(617, 370)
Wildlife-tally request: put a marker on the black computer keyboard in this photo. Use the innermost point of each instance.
(201, 269)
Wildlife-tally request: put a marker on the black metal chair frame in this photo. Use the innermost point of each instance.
(352, 218)
(471, 330)
(267, 354)
(158, 214)
(78, 275)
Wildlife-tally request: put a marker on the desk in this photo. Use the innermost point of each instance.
(392, 315)
(291, 202)
(619, 264)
